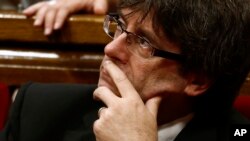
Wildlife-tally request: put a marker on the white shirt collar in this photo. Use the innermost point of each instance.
(169, 131)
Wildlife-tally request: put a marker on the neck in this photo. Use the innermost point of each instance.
(172, 108)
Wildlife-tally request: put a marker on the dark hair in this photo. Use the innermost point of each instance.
(213, 35)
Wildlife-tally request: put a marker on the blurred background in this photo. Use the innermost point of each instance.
(16, 4)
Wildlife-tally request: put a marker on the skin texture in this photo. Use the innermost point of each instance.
(142, 125)
(139, 93)
(143, 73)
(52, 14)
(133, 87)
(142, 93)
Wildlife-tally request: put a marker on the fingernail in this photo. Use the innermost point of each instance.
(47, 31)
(107, 62)
(23, 11)
(57, 26)
(36, 23)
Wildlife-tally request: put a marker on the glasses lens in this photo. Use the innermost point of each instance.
(110, 26)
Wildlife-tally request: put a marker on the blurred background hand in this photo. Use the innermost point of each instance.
(52, 14)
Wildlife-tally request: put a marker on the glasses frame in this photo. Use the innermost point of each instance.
(156, 52)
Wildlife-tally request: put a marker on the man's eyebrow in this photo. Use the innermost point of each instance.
(123, 17)
(148, 35)
(139, 30)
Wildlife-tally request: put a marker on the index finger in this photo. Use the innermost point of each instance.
(121, 81)
(33, 9)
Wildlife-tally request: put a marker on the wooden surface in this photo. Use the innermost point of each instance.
(71, 55)
(79, 29)
(59, 63)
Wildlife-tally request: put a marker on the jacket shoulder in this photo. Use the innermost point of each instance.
(53, 112)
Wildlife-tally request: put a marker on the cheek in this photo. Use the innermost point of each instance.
(138, 72)
(139, 75)
(164, 81)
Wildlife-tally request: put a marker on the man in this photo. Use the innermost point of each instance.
(172, 72)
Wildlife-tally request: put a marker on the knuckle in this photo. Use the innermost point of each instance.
(65, 8)
(52, 8)
(41, 3)
(64, 11)
(121, 78)
(102, 88)
(134, 102)
(98, 90)
(97, 93)
(97, 127)
(107, 115)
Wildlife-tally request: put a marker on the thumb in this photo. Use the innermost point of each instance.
(153, 105)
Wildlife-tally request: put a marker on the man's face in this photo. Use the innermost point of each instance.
(150, 76)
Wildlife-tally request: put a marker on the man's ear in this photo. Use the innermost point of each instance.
(197, 84)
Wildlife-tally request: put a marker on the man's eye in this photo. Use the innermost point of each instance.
(143, 43)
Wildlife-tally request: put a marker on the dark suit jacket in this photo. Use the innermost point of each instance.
(66, 112)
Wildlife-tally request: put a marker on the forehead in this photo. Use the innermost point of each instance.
(136, 18)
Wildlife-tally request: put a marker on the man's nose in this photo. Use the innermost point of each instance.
(117, 49)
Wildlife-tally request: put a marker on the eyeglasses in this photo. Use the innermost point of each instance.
(138, 45)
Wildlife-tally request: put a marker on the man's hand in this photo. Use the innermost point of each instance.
(52, 14)
(126, 118)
